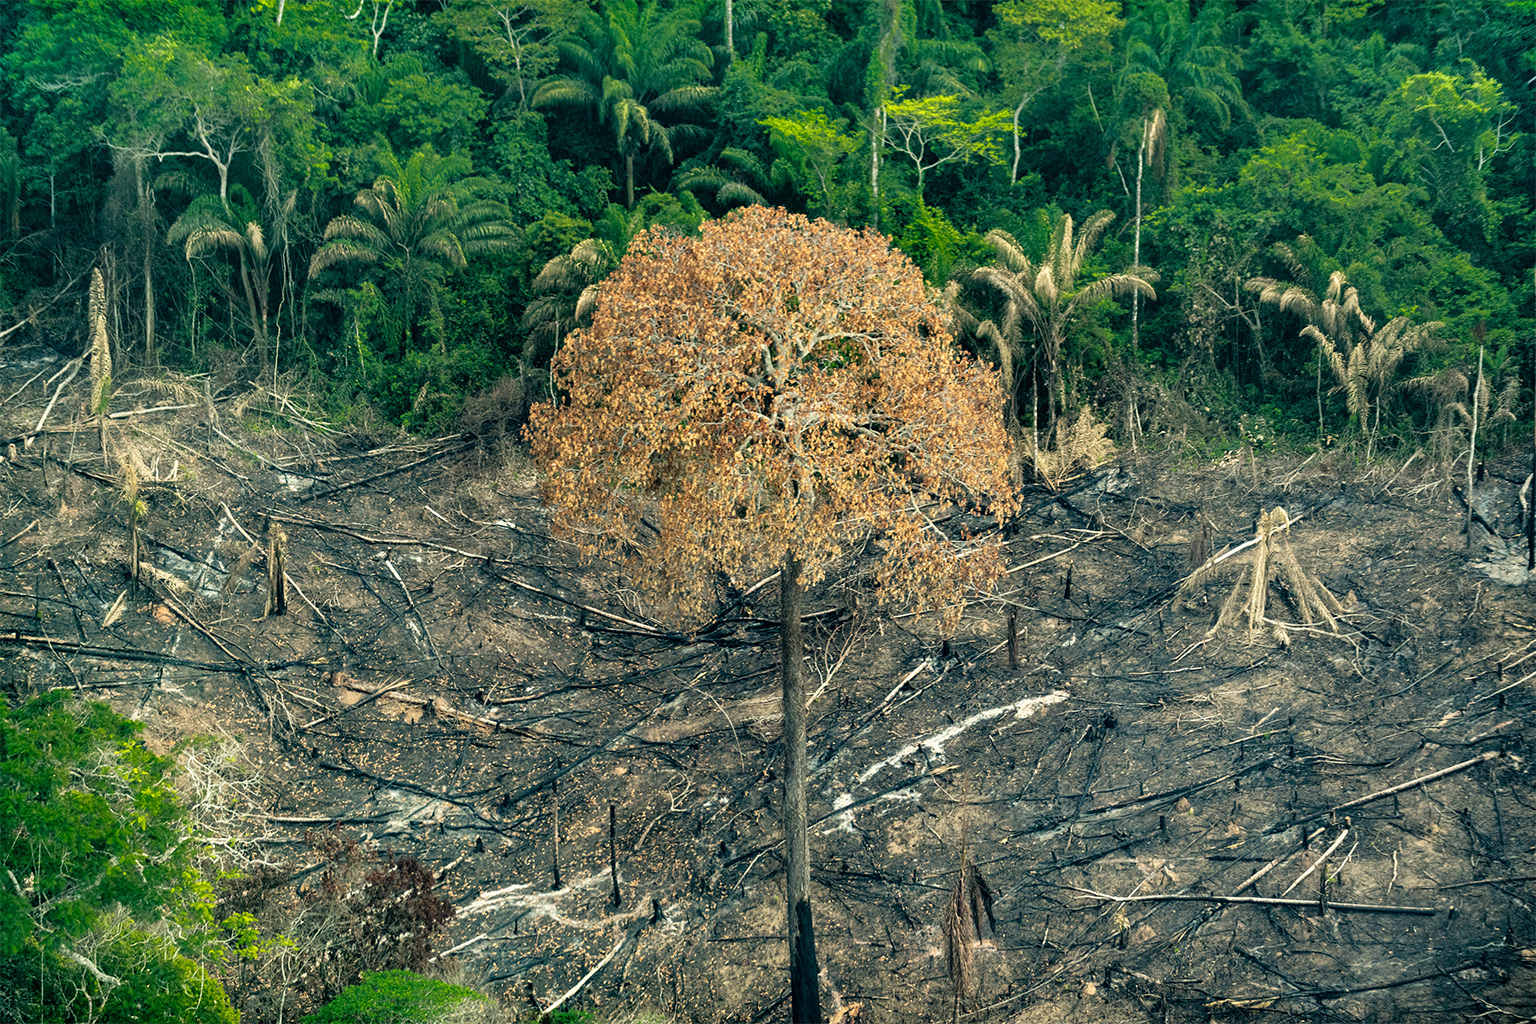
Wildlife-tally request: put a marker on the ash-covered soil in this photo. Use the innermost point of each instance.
(448, 682)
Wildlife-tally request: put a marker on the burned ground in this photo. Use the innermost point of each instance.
(449, 683)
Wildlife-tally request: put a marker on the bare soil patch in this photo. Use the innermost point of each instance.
(450, 676)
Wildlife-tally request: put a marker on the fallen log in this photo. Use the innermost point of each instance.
(1265, 901)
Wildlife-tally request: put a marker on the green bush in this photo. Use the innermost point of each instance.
(159, 984)
(398, 997)
(106, 905)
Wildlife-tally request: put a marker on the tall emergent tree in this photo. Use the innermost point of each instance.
(774, 393)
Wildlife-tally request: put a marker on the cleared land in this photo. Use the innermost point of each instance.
(1143, 798)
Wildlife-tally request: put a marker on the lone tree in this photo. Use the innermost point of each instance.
(774, 394)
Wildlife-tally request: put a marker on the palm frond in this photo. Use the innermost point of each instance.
(341, 251)
(1008, 250)
(735, 193)
(362, 232)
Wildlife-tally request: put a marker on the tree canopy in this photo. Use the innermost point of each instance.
(775, 385)
(1394, 137)
(99, 850)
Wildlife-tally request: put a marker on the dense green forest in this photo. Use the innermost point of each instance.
(397, 204)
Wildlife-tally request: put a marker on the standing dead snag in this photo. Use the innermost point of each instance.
(277, 578)
(970, 900)
(771, 395)
(101, 355)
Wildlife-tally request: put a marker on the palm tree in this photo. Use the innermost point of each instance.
(1365, 374)
(1335, 322)
(1188, 55)
(1363, 357)
(566, 295)
(214, 224)
(413, 226)
(1046, 296)
(634, 64)
(737, 179)
(566, 288)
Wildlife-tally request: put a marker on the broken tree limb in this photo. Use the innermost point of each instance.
(24, 387)
(1486, 881)
(32, 314)
(386, 473)
(73, 367)
(1400, 787)
(237, 446)
(20, 534)
(122, 653)
(390, 565)
(126, 413)
(1263, 901)
(488, 560)
(1317, 863)
(1267, 868)
(344, 819)
(371, 697)
(439, 706)
(1100, 535)
(624, 940)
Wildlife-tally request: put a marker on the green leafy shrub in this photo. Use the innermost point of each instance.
(400, 997)
(105, 902)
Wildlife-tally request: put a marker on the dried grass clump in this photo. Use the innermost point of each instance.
(1081, 444)
(1262, 560)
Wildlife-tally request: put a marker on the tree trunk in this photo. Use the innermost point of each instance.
(1530, 521)
(258, 321)
(629, 181)
(151, 356)
(147, 230)
(1477, 392)
(730, 43)
(1141, 167)
(805, 996)
(876, 140)
(1018, 112)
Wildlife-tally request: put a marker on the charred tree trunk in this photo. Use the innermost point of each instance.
(1013, 638)
(805, 997)
(613, 855)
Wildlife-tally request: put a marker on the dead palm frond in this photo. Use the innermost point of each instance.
(1365, 374)
(970, 900)
(134, 471)
(1448, 392)
(1081, 444)
(1337, 325)
(1261, 561)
